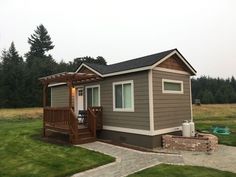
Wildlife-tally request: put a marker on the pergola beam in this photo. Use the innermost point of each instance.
(69, 78)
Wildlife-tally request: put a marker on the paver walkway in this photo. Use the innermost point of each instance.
(224, 158)
(127, 161)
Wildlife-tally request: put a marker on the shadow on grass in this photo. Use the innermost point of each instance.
(52, 138)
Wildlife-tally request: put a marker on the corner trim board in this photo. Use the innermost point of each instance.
(151, 112)
(190, 96)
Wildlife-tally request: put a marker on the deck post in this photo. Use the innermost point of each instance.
(45, 99)
(45, 95)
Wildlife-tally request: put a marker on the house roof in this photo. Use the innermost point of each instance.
(142, 62)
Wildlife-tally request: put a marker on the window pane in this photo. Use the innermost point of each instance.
(127, 96)
(89, 97)
(118, 96)
(172, 86)
(95, 96)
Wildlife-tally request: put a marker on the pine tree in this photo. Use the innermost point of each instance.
(12, 82)
(39, 64)
(100, 60)
(40, 42)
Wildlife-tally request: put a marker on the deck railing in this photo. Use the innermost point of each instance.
(61, 119)
(94, 115)
(91, 121)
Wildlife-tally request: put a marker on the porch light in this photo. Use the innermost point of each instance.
(73, 91)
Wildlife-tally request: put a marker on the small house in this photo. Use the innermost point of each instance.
(132, 102)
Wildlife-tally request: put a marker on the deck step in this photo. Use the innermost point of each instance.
(84, 134)
(84, 140)
(83, 130)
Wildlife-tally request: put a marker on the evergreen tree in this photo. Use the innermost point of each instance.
(77, 61)
(1, 80)
(12, 82)
(207, 97)
(100, 60)
(39, 64)
(40, 42)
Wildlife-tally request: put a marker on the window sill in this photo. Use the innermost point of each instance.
(173, 92)
(123, 110)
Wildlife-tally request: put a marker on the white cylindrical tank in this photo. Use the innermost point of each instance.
(186, 129)
(192, 129)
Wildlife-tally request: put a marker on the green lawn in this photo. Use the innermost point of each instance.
(22, 153)
(223, 114)
(164, 170)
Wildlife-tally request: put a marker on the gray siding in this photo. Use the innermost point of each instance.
(60, 96)
(170, 110)
(139, 119)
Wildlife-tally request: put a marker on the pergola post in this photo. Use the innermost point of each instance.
(45, 99)
(69, 84)
(45, 95)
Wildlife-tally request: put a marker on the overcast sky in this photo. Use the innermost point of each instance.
(203, 31)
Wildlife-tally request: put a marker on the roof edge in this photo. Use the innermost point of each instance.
(175, 51)
(90, 68)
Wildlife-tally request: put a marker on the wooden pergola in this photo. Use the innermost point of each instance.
(70, 78)
(63, 119)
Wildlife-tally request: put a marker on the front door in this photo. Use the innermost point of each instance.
(80, 100)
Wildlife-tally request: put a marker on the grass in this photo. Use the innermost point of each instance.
(206, 116)
(165, 170)
(22, 152)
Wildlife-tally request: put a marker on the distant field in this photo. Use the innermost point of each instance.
(21, 113)
(219, 114)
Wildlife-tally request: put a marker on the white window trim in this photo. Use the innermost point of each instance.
(172, 91)
(132, 96)
(92, 86)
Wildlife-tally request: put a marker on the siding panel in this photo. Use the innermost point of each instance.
(139, 119)
(60, 96)
(170, 110)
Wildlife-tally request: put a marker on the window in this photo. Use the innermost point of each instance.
(172, 86)
(123, 99)
(92, 96)
(80, 92)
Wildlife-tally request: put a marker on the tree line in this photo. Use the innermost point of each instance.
(19, 84)
(214, 90)
(20, 87)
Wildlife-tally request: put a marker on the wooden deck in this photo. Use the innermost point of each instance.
(63, 120)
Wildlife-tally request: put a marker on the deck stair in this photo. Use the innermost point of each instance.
(63, 120)
(84, 136)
